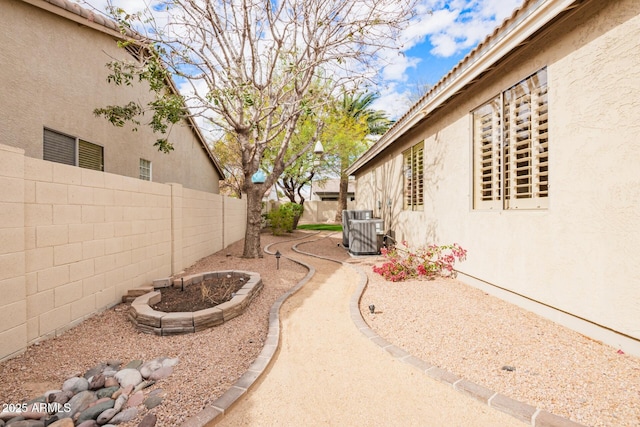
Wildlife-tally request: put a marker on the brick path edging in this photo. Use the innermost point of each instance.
(210, 415)
(524, 412)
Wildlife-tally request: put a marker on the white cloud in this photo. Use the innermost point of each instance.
(397, 67)
(474, 19)
(450, 27)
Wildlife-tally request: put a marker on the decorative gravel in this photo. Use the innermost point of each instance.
(444, 322)
(479, 337)
(210, 361)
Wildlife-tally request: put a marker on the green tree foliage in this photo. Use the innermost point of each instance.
(252, 67)
(354, 122)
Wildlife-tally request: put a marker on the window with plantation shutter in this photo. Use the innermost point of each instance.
(413, 169)
(511, 148)
(90, 156)
(59, 148)
(487, 157)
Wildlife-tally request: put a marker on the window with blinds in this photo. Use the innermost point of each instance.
(145, 170)
(511, 148)
(61, 148)
(413, 170)
(90, 156)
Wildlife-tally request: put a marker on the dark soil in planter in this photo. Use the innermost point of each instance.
(206, 294)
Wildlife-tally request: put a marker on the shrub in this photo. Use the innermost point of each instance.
(280, 221)
(404, 263)
(295, 210)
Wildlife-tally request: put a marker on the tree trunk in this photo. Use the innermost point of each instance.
(252, 246)
(342, 197)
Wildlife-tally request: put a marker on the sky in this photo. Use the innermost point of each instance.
(442, 33)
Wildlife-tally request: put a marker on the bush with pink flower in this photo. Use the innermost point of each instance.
(403, 262)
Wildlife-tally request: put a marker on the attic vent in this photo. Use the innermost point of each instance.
(134, 50)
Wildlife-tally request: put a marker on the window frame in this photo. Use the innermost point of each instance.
(142, 176)
(413, 178)
(80, 147)
(518, 119)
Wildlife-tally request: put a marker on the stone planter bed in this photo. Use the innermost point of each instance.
(161, 323)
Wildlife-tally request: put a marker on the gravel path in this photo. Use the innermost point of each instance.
(326, 372)
(473, 335)
(556, 369)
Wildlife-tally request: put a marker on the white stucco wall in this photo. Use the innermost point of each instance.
(54, 75)
(581, 254)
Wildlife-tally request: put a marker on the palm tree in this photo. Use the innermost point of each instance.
(358, 107)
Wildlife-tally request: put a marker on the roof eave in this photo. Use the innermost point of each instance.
(514, 31)
(74, 12)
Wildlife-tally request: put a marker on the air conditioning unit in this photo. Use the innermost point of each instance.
(365, 236)
(347, 216)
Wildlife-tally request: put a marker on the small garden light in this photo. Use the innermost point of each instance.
(278, 255)
(372, 308)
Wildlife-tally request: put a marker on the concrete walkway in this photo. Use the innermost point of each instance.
(327, 370)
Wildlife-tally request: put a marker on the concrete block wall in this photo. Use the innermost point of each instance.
(233, 228)
(73, 241)
(202, 228)
(13, 301)
(318, 212)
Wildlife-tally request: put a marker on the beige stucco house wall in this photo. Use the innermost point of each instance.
(576, 259)
(54, 75)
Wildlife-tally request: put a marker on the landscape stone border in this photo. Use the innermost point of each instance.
(162, 323)
(212, 414)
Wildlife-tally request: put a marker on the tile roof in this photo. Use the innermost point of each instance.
(100, 22)
(527, 18)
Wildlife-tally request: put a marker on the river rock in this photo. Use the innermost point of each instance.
(65, 422)
(161, 373)
(98, 369)
(75, 385)
(39, 399)
(96, 382)
(111, 382)
(167, 361)
(106, 392)
(26, 423)
(134, 364)
(149, 420)
(135, 399)
(129, 377)
(92, 412)
(144, 384)
(147, 368)
(120, 401)
(88, 423)
(78, 403)
(124, 416)
(106, 416)
(49, 393)
(152, 401)
(109, 371)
